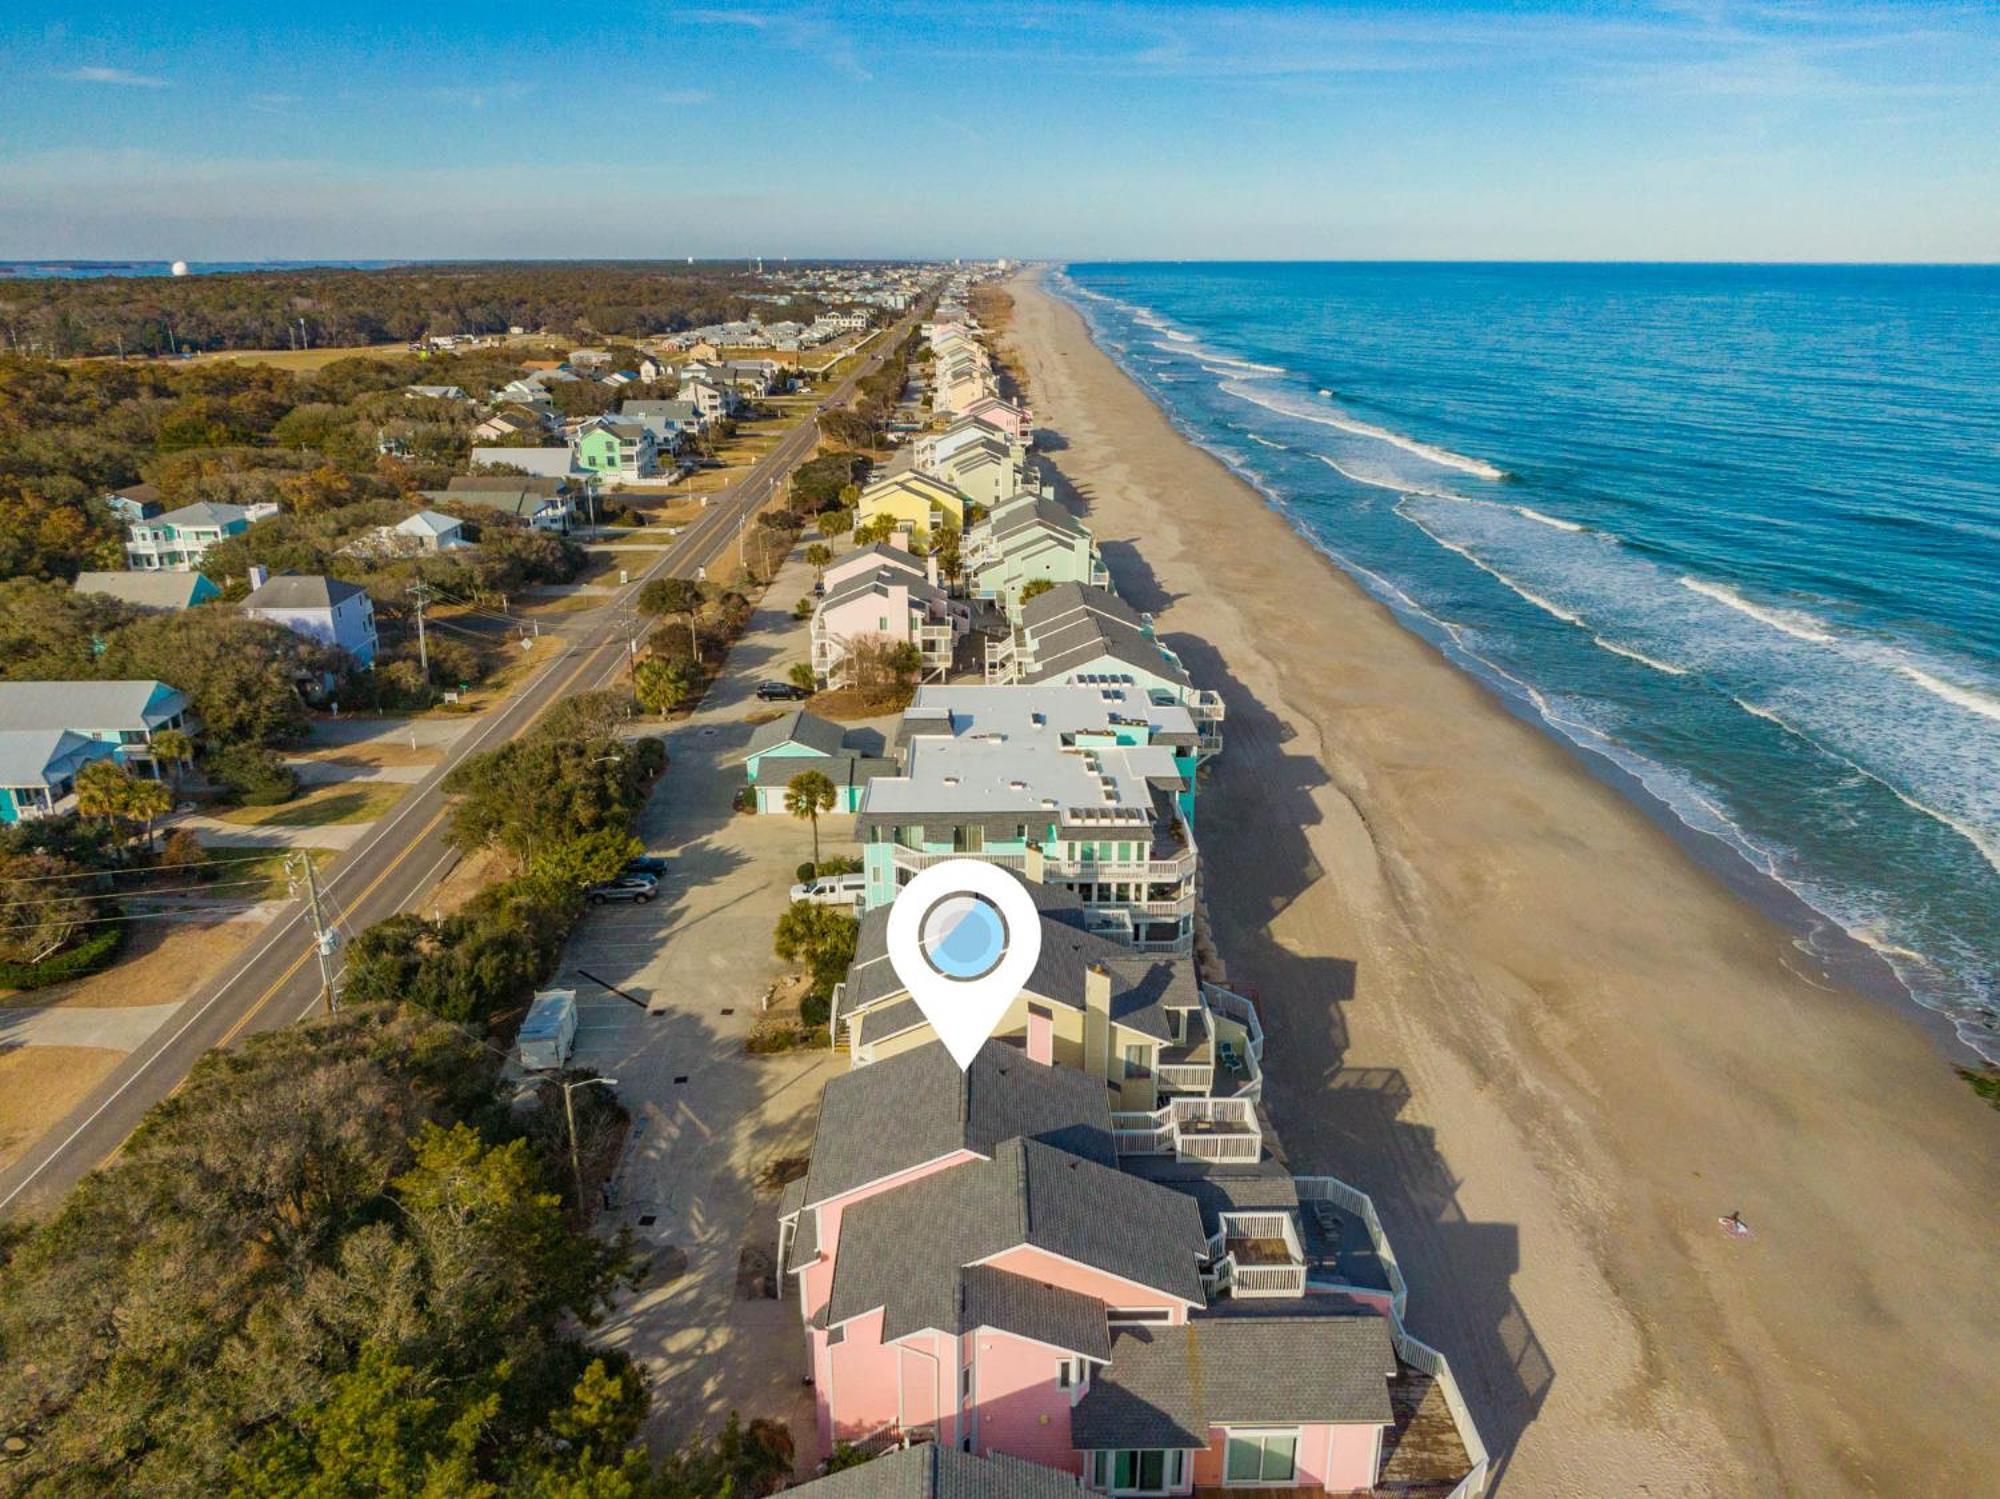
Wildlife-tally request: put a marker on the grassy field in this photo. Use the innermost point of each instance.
(254, 874)
(323, 806)
(40, 1084)
(301, 359)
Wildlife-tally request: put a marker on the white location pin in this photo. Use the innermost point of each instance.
(964, 936)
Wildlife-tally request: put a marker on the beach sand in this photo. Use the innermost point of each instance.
(1553, 1046)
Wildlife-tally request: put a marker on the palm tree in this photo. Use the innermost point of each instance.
(818, 555)
(147, 800)
(173, 747)
(808, 794)
(103, 789)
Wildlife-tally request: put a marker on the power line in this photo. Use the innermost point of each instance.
(137, 894)
(147, 869)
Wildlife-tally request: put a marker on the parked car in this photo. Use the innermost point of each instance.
(780, 692)
(832, 890)
(637, 888)
(648, 864)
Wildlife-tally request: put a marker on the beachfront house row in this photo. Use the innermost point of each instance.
(1078, 633)
(161, 590)
(177, 541)
(1104, 821)
(914, 501)
(882, 594)
(1029, 539)
(41, 724)
(977, 1276)
(318, 608)
(799, 741)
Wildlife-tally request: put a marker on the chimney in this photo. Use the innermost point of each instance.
(259, 576)
(1097, 1020)
(931, 570)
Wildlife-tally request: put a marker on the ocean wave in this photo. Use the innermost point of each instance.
(1396, 486)
(1444, 457)
(1547, 606)
(1548, 520)
(1640, 656)
(1989, 847)
(1799, 626)
(1181, 338)
(1267, 442)
(1951, 692)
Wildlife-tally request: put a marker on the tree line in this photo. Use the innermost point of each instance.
(341, 308)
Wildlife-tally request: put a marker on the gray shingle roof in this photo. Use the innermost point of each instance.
(886, 1118)
(905, 1250)
(799, 727)
(306, 591)
(930, 1471)
(1031, 1309)
(40, 757)
(87, 705)
(1167, 1385)
(202, 513)
(148, 590)
(1143, 989)
(1218, 1189)
(1072, 625)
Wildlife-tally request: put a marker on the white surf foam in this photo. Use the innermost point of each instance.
(1398, 486)
(1640, 656)
(1951, 692)
(1799, 626)
(1548, 520)
(1305, 411)
(1267, 442)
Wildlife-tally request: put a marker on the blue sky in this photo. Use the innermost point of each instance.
(1776, 130)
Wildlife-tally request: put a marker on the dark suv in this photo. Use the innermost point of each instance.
(780, 692)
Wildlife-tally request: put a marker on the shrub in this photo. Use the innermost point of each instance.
(89, 955)
(252, 775)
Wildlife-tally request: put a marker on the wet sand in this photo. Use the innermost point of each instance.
(1552, 1045)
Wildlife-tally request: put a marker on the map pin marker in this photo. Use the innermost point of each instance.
(964, 936)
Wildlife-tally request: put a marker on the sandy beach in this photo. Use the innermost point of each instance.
(1553, 1046)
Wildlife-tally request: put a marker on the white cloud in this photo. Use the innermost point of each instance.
(123, 77)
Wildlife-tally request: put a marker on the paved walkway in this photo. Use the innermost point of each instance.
(709, 1119)
(116, 1029)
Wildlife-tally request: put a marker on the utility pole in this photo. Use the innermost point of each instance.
(421, 593)
(569, 1113)
(325, 939)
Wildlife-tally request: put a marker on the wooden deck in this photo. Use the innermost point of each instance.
(1421, 1454)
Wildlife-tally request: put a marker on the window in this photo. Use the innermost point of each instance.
(1144, 1471)
(965, 1383)
(1135, 1061)
(1261, 1457)
(1069, 1374)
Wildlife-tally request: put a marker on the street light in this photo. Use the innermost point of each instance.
(569, 1086)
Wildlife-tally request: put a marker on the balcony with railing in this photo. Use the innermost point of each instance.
(1193, 1129)
(916, 861)
(1256, 1254)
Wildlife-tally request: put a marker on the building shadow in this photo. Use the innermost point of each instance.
(1333, 1118)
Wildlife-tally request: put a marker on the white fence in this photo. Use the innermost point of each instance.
(1416, 1354)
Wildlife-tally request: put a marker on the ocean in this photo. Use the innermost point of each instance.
(1733, 532)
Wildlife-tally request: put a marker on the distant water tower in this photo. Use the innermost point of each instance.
(180, 267)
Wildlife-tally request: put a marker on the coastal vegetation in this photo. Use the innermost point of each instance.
(334, 307)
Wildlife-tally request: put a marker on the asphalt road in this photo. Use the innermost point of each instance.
(277, 981)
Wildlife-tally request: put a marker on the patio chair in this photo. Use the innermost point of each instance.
(1231, 1060)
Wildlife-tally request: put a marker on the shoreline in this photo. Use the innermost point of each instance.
(1842, 957)
(1545, 1035)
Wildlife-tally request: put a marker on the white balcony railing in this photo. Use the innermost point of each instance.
(1233, 1006)
(916, 861)
(1185, 1077)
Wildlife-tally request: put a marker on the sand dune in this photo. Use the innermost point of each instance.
(1553, 1046)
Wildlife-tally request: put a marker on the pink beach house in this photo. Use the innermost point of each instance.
(975, 1272)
